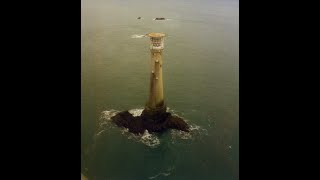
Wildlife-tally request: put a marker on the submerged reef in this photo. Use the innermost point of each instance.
(153, 123)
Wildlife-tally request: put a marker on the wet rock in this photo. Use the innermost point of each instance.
(175, 122)
(155, 123)
(161, 18)
(127, 120)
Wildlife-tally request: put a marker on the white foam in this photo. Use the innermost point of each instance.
(167, 173)
(137, 36)
(164, 174)
(106, 115)
(124, 130)
(99, 133)
(195, 132)
(180, 134)
(152, 177)
(105, 121)
(150, 140)
(194, 127)
(136, 112)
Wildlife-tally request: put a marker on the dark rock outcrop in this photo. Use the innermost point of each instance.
(139, 18)
(161, 18)
(158, 123)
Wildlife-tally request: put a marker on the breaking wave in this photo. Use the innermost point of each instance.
(149, 139)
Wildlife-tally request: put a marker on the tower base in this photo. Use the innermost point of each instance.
(154, 114)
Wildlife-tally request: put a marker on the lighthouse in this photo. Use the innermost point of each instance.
(154, 117)
(155, 104)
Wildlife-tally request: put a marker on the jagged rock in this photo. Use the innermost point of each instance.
(127, 120)
(160, 18)
(157, 123)
(176, 122)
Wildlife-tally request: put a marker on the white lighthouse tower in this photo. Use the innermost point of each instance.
(156, 103)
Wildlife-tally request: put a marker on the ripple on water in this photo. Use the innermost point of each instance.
(165, 173)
